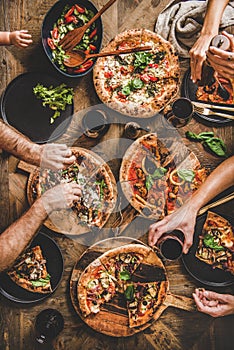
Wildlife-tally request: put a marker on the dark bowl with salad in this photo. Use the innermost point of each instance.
(64, 16)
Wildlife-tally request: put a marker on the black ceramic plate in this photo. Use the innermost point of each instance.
(24, 111)
(201, 271)
(54, 264)
(48, 24)
(189, 90)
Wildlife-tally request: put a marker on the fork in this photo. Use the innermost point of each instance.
(207, 111)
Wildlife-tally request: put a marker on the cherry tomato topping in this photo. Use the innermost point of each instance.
(92, 47)
(108, 75)
(70, 19)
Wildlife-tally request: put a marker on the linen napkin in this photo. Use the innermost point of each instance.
(181, 23)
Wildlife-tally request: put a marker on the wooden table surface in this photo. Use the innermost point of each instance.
(175, 329)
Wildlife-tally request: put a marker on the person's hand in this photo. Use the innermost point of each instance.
(61, 196)
(198, 56)
(182, 219)
(20, 38)
(56, 156)
(214, 304)
(222, 61)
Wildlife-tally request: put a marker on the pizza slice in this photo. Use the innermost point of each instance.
(96, 287)
(216, 243)
(122, 262)
(143, 300)
(30, 271)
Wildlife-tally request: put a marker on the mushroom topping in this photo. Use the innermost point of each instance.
(149, 165)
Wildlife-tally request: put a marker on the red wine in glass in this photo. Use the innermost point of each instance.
(49, 323)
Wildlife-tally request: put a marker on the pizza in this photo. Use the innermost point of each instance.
(30, 271)
(138, 84)
(97, 183)
(113, 274)
(210, 93)
(216, 243)
(156, 179)
(143, 301)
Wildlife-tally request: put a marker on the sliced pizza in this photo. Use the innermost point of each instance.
(138, 84)
(143, 300)
(96, 286)
(216, 243)
(30, 271)
(97, 183)
(122, 262)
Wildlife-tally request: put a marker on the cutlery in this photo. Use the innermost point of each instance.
(220, 201)
(78, 57)
(207, 111)
(72, 38)
(206, 105)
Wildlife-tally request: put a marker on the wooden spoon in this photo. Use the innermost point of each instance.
(78, 57)
(72, 38)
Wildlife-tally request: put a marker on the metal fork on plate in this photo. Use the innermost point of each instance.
(207, 111)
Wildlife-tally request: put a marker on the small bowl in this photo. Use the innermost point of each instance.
(47, 26)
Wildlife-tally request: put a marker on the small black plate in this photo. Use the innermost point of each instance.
(188, 89)
(54, 264)
(24, 111)
(201, 271)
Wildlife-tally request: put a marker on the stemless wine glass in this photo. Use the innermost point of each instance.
(49, 323)
(170, 245)
(95, 123)
(181, 112)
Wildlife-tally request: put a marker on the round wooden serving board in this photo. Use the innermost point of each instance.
(66, 221)
(112, 319)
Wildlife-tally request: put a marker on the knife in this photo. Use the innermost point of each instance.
(206, 105)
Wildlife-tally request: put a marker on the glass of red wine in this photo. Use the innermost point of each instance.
(49, 323)
(95, 123)
(171, 245)
(181, 113)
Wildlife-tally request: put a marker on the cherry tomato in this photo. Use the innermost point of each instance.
(79, 9)
(152, 78)
(51, 43)
(108, 75)
(55, 33)
(92, 47)
(70, 19)
(94, 32)
(69, 12)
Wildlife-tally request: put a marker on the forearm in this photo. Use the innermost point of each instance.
(16, 237)
(214, 12)
(219, 180)
(17, 144)
(5, 38)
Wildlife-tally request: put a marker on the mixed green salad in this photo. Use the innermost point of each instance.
(71, 18)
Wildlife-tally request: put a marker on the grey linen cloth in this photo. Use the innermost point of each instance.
(181, 23)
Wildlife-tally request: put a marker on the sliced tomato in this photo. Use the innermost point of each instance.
(153, 65)
(71, 19)
(55, 33)
(145, 78)
(88, 64)
(92, 47)
(94, 32)
(79, 8)
(51, 43)
(108, 75)
(69, 12)
(153, 78)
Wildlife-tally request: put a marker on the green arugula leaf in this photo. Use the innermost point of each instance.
(129, 292)
(210, 243)
(186, 175)
(56, 98)
(125, 275)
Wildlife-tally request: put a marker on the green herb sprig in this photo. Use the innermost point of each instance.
(209, 141)
(56, 98)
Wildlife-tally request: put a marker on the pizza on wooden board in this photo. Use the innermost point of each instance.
(138, 84)
(155, 180)
(111, 273)
(30, 272)
(96, 180)
(216, 243)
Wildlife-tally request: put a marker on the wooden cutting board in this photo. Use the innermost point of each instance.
(112, 319)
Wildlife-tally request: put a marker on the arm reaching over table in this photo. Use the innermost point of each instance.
(185, 217)
(18, 236)
(214, 304)
(53, 156)
(215, 9)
